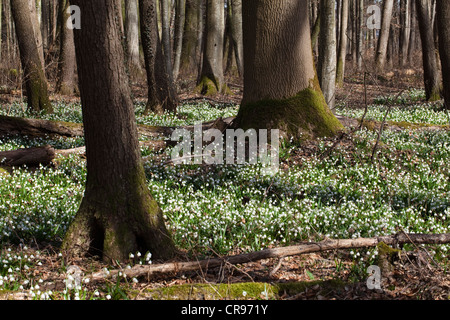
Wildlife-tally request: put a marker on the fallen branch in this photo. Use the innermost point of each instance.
(174, 267)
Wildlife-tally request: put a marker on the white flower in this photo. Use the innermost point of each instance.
(108, 297)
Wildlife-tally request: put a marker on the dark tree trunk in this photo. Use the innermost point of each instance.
(430, 66)
(189, 52)
(443, 16)
(117, 215)
(161, 91)
(34, 76)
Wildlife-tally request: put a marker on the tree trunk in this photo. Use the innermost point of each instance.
(161, 91)
(166, 39)
(211, 78)
(360, 35)
(236, 34)
(281, 89)
(66, 84)
(37, 30)
(180, 22)
(430, 66)
(117, 215)
(326, 67)
(30, 157)
(132, 36)
(443, 16)
(405, 31)
(412, 35)
(34, 77)
(189, 51)
(340, 69)
(380, 57)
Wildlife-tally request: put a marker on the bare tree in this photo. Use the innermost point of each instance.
(117, 215)
(380, 57)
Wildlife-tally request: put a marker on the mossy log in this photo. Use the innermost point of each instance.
(310, 247)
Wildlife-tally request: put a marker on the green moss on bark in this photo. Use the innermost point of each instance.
(305, 115)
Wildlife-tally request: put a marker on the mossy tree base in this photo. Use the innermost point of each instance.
(210, 87)
(114, 222)
(304, 116)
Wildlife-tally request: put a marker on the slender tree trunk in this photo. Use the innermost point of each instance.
(380, 57)
(66, 84)
(340, 69)
(326, 67)
(117, 215)
(211, 77)
(442, 17)
(412, 35)
(180, 22)
(430, 66)
(236, 34)
(360, 35)
(1, 29)
(161, 91)
(281, 88)
(166, 39)
(405, 31)
(34, 76)
(132, 36)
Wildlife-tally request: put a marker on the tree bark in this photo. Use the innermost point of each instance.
(211, 77)
(430, 66)
(443, 16)
(117, 215)
(281, 88)
(380, 57)
(132, 36)
(66, 84)
(166, 39)
(30, 157)
(161, 91)
(34, 76)
(189, 52)
(326, 66)
(236, 34)
(180, 22)
(342, 54)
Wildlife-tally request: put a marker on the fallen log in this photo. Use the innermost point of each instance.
(310, 247)
(30, 156)
(40, 127)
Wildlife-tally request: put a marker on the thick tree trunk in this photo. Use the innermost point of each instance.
(34, 76)
(161, 91)
(281, 89)
(443, 16)
(326, 66)
(117, 215)
(37, 30)
(132, 36)
(66, 84)
(380, 57)
(189, 53)
(430, 66)
(211, 78)
(166, 39)
(342, 54)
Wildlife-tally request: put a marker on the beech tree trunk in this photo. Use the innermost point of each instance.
(380, 57)
(211, 78)
(66, 84)
(430, 65)
(236, 34)
(281, 88)
(132, 36)
(189, 51)
(161, 91)
(326, 66)
(179, 25)
(342, 53)
(34, 76)
(117, 215)
(166, 39)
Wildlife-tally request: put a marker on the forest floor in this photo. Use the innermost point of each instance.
(319, 276)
